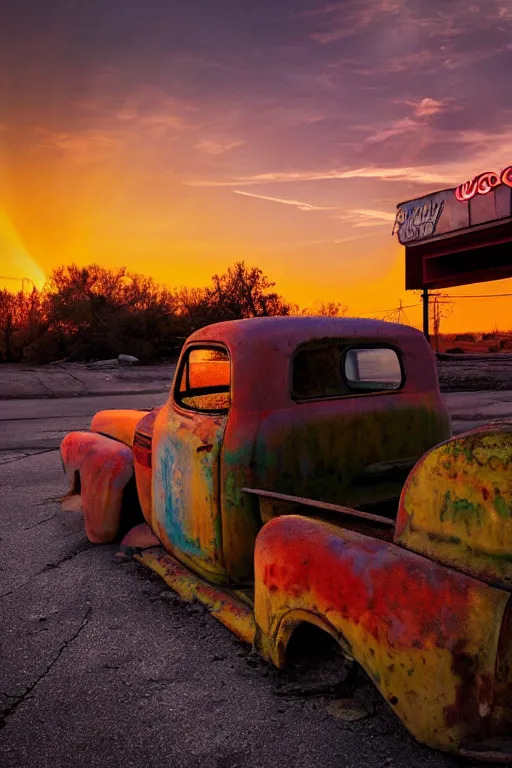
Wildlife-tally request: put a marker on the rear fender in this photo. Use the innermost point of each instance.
(456, 506)
(104, 468)
(425, 634)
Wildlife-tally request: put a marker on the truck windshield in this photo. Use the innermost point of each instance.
(204, 380)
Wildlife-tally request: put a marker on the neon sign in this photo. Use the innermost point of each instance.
(419, 221)
(483, 184)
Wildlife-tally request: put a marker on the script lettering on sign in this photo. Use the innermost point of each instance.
(418, 222)
(483, 184)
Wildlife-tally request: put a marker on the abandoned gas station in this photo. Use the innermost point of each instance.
(457, 236)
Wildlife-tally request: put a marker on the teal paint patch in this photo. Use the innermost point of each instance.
(175, 515)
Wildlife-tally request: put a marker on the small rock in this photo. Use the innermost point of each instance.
(348, 710)
(127, 360)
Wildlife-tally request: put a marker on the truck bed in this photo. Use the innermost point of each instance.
(272, 504)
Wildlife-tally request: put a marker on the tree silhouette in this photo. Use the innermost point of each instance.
(92, 312)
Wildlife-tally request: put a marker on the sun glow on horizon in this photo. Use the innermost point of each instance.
(16, 266)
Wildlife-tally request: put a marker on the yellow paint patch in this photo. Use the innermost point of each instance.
(456, 506)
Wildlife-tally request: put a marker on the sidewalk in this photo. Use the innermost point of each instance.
(79, 380)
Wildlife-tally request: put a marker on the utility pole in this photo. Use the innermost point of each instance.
(425, 314)
(22, 280)
(437, 319)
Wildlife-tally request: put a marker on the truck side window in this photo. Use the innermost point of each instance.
(372, 369)
(204, 380)
(317, 372)
(331, 369)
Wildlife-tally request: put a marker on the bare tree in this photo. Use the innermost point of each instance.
(326, 309)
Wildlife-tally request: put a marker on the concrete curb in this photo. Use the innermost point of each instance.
(89, 393)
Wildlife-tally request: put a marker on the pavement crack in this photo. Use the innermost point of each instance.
(82, 383)
(51, 500)
(65, 558)
(40, 522)
(11, 709)
(28, 455)
(48, 567)
(45, 386)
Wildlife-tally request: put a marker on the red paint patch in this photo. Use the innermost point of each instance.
(398, 597)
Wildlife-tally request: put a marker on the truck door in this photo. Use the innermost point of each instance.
(187, 443)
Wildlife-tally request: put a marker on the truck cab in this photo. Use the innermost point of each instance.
(332, 409)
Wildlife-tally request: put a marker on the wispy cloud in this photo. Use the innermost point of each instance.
(296, 203)
(427, 107)
(375, 65)
(150, 108)
(423, 110)
(292, 246)
(341, 20)
(433, 175)
(217, 147)
(436, 20)
(406, 125)
(80, 148)
(367, 217)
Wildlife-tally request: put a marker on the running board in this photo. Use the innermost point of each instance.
(236, 615)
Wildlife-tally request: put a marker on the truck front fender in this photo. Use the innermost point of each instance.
(99, 469)
(425, 634)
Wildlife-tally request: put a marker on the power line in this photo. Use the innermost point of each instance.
(382, 311)
(476, 296)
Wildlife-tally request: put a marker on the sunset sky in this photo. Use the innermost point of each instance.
(176, 136)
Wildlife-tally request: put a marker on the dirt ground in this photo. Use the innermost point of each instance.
(471, 374)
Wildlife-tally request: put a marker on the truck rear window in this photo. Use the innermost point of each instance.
(373, 369)
(333, 370)
(204, 380)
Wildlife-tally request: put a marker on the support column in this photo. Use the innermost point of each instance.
(425, 314)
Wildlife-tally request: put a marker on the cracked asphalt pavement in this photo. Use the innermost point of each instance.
(101, 664)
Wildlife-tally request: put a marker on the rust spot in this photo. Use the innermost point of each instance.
(485, 494)
(472, 690)
(205, 448)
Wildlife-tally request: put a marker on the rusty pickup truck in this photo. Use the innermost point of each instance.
(302, 471)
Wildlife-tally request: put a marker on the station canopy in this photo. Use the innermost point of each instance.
(458, 236)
